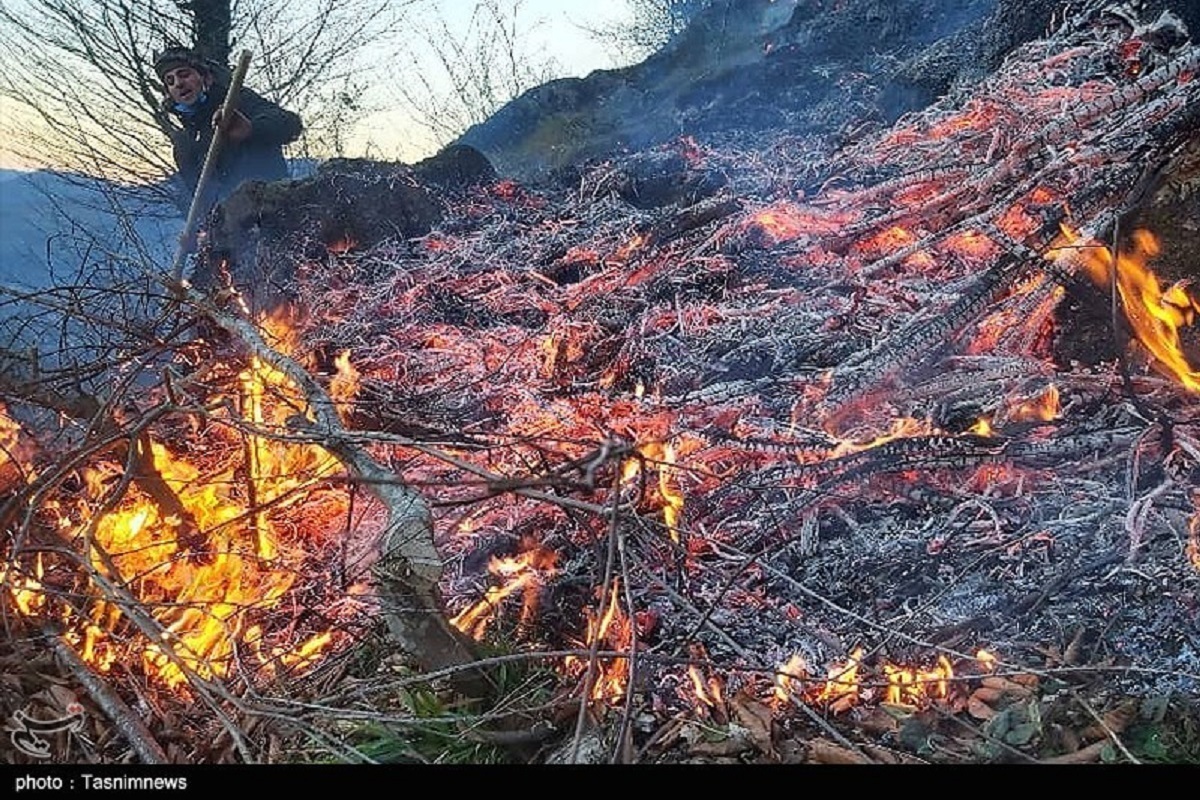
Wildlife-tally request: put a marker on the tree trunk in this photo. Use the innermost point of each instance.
(212, 23)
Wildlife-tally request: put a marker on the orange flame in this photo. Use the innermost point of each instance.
(200, 572)
(844, 687)
(345, 385)
(1155, 314)
(525, 573)
(26, 590)
(202, 598)
(673, 501)
(1044, 407)
(709, 694)
(902, 428)
(614, 627)
(841, 687)
(790, 677)
(13, 450)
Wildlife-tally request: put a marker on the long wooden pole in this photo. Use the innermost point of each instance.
(210, 162)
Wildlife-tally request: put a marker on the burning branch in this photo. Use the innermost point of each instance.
(410, 566)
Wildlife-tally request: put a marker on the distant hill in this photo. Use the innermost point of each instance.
(803, 67)
(54, 227)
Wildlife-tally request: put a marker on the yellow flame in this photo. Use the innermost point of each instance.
(307, 652)
(345, 385)
(664, 454)
(27, 591)
(842, 682)
(1045, 407)
(913, 686)
(612, 626)
(902, 428)
(197, 572)
(708, 693)
(790, 677)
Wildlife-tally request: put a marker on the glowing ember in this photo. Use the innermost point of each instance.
(783, 222)
(977, 117)
(987, 659)
(971, 244)
(1018, 223)
(342, 245)
(886, 241)
(629, 248)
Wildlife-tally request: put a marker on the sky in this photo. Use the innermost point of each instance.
(551, 33)
(557, 35)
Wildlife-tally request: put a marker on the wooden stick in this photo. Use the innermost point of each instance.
(122, 716)
(210, 162)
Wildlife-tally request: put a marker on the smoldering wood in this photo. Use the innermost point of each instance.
(523, 342)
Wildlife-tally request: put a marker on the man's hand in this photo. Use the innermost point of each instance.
(239, 127)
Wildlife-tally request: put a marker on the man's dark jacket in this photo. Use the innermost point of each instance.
(259, 157)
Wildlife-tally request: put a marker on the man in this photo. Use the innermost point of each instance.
(253, 147)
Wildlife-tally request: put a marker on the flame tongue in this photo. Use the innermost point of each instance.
(219, 553)
(1155, 315)
(525, 573)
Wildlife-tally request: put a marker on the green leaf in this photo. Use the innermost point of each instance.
(1022, 734)
(999, 725)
